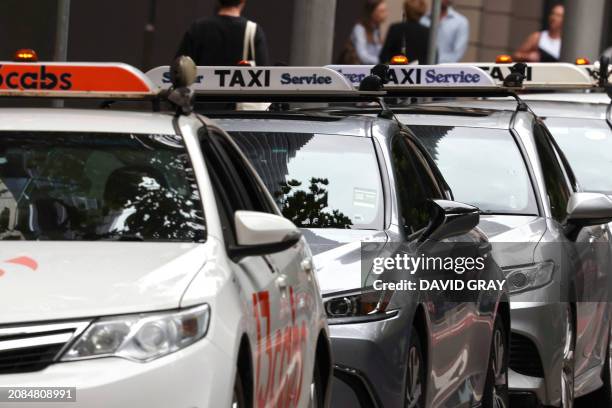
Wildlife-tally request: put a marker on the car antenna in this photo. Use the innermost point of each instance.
(404, 39)
(183, 73)
(604, 80)
(516, 79)
(379, 76)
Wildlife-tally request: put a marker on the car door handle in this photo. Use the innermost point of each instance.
(282, 283)
(307, 265)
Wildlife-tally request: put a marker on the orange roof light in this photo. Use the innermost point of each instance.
(583, 61)
(25, 55)
(399, 60)
(503, 59)
(244, 63)
(73, 80)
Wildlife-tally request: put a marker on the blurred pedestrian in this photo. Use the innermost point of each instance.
(408, 37)
(225, 38)
(453, 33)
(365, 43)
(544, 46)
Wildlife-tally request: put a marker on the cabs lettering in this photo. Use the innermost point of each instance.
(38, 78)
(252, 78)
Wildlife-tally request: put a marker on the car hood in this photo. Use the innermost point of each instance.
(66, 280)
(337, 256)
(513, 237)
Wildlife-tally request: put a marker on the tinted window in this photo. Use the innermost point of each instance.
(430, 184)
(74, 186)
(483, 167)
(412, 194)
(587, 144)
(244, 180)
(319, 181)
(554, 178)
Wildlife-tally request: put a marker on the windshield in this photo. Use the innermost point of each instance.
(318, 181)
(587, 144)
(483, 167)
(92, 186)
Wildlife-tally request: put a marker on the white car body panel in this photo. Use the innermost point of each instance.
(82, 279)
(86, 280)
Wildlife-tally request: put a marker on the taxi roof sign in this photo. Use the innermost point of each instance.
(74, 80)
(260, 80)
(541, 75)
(593, 71)
(423, 77)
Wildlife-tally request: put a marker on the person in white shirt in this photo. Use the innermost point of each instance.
(453, 33)
(544, 46)
(366, 37)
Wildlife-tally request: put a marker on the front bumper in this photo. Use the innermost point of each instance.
(198, 376)
(370, 362)
(543, 325)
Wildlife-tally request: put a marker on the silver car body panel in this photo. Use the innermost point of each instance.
(541, 321)
(375, 351)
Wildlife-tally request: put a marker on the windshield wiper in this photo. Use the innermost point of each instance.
(116, 236)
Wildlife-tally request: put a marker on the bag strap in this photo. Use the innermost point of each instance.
(249, 41)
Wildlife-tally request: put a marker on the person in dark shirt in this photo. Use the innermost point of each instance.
(409, 37)
(220, 40)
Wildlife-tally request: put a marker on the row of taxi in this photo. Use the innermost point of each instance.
(167, 249)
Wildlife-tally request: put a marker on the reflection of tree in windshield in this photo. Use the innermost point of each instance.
(430, 137)
(94, 186)
(306, 208)
(160, 212)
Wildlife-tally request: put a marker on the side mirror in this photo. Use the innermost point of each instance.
(262, 234)
(450, 218)
(587, 209)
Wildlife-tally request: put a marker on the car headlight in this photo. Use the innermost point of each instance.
(142, 337)
(529, 277)
(365, 303)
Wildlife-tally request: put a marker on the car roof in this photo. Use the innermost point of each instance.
(569, 109)
(561, 109)
(451, 113)
(293, 122)
(592, 97)
(84, 120)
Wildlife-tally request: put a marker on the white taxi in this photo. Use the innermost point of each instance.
(143, 263)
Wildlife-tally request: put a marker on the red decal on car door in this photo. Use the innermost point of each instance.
(284, 351)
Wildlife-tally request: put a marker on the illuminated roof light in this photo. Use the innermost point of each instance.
(399, 60)
(25, 55)
(503, 59)
(582, 61)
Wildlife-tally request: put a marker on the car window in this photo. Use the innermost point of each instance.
(318, 181)
(557, 187)
(94, 186)
(412, 194)
(254, 194)
(587, 145)
(430, 184)
(483, 167)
